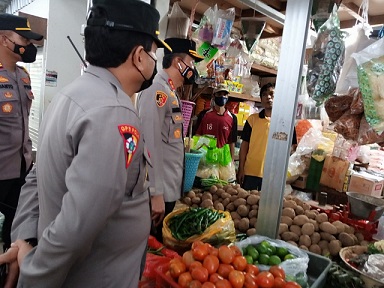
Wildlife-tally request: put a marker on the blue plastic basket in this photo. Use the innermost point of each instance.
(191, 164)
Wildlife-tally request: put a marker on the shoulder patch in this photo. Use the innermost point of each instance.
(26, 80)
(131, 138)
(3, 79)
(161, 98)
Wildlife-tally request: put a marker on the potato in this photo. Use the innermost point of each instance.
(306, 207)
(255, 207)
(299, 210)
(243, 210)
(254, 192)
(218, 206)
(219, 186)
(231, 191)
(308, 229)
(206, 195)
(283, 228)
(300, 220)
(195, 205)
(315, 238)
(213, 189)
(236, 186)
(196, 200)
(310, 214)
(322, 217)
(253, 199)
(325, 252)
(207, 203)
(346, 239)
(233, 198)
(326, 236)
(323, 244)
(292, 243)
(191, 194)
(235, 215)
(215, 197)
(289, 204)
(187, 200)
(287, 220)
(244, 225)
(315, 224)
(236, 222)
(305, 240)
(314, 248)
(199, 194)
(251, 231)
(303, 247)
(289, 212)
(334, 247)
(364, 243)
(220, 191)
(360, 236)
(225, 195)
(239, 201)
(226, 187)
(230, 207)
(295, 229)
(252, 222)
(252, 213)
(328, 227)
(339, 226)
(225, 202)
(242, 193)
(349, 229)
(290, 236)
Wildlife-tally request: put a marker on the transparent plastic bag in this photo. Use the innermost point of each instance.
(178, 23)
(367, 135)
(336, 106)
(204, 32)
(222, 29)
(348, 125)
(228, 172)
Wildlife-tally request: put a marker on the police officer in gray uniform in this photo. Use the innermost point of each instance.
(15, 103)
(89, 208)
(162, 122)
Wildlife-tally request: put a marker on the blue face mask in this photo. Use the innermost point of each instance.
(221, 101)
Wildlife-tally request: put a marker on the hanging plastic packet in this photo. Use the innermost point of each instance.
(252, 29)
(222, 30)
(178, 23)
(327, 59)
(204, 32)
(219, 69)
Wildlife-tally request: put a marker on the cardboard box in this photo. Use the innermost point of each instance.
(301, 182)
(335, 173)
(366, 183)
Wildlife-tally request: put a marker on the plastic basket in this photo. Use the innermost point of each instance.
(192, 161)
(186, 110)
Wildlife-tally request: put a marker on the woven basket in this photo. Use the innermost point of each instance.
(191, 164)
(186, 110)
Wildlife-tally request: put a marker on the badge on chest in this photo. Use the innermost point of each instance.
(131, 138)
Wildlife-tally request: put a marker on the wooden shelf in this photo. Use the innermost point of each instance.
(244, 97)
(263, 71)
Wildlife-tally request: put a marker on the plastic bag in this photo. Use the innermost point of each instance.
(219, 233)
(222, 29)
(252, 29)
(205, 171)
(204, 32)
(357, 105)
(374, 267)
(178, 23)
(302, 127)
(336, 106)
(367, 135)
(348, 125)
(327, 59)
(292, 267)
(228, 172)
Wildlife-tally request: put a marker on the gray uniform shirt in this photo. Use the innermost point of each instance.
(89, 204)
(162, 123)
(15, 104)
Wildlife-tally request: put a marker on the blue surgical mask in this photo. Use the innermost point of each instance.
(221, 100)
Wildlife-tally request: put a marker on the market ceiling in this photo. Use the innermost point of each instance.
(4, 4)
(348, 12)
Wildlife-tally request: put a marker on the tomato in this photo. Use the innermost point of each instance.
(176, 268)
(226, 255)
(225, 269)
(188, 258)
(250, 280)
(223, 284)
(253, 269)
(195, 284)
(279, 282)
(208, 285)
(239, 263)
(236, 250)
(236, 278)
(213, 251)
(265, 279)
(200, 273)
(197, 243)
(211, 263)
(184, 279)
(194, 265)
(277, 271)
(199, 252)
(291, 284)
(215, 277)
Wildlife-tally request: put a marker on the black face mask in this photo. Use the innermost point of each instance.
(27, 53)
(189, 74)
(221, 101)
(148, 82)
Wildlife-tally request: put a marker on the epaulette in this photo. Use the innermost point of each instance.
(24, 69)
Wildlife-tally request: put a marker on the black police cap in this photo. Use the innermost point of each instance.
(18, 24)
(130, 15)
(186, 46)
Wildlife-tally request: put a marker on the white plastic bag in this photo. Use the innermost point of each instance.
(222, 30)
(178, 23)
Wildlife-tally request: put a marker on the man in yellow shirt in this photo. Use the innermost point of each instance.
(254, 145)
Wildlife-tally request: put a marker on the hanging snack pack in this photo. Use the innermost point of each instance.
(327, 59)
(222, 31)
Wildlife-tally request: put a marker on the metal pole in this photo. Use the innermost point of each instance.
(283, 116)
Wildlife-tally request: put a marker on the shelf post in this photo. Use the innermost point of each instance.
(283, 116)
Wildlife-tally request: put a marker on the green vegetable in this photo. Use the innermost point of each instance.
(209, 182)
(341, 277)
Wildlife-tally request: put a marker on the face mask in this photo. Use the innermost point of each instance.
(221, 101)
(148, 82)
(189, 74)
(27, 53)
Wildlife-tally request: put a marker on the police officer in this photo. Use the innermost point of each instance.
(90, 204)
(160, 111)
(15, 103)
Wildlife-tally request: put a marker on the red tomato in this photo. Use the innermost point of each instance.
(215, 277)
(236, 278)
(208, 285)
(211, 263)
(265, 279)
(176, 268)
(277, 271)
(253, 269)
(236, 250)
(279, 282)
(226, 255)
(250, 280)
(188, 258)
(197, 243)
(184, 279)
(200, 251)
(239, 263)
(213, 251)
(194, 265)
(195, 284)
(200, 273)
(223, 284)
(291, 284)
(225, 269)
